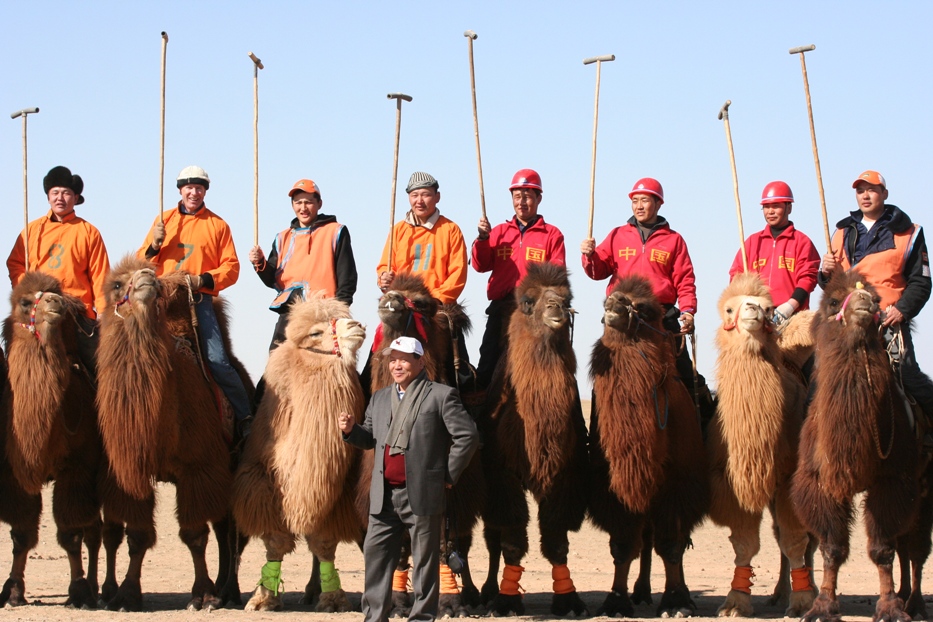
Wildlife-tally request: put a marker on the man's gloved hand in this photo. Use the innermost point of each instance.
(158, 236)
(783, 312)
(195, 282)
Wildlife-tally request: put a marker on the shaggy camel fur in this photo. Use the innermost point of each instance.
(160, 421)
(297, 477)
(752, 442)
(646, 447)
(858, 437)
(535, 439)
(52, 421)
(409, 310)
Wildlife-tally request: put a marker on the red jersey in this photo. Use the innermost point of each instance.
(662, 259)
(507, 252)
(785, 263)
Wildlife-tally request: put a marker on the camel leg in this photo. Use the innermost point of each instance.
(313, 587)
(624, 547)
(917, 545)
(113, 538)
(793, 541)
(555, 547)
(139, 539)
(203, 590)
(267, 595)
(746, 542)
(333, 598)
(22, 511)
(401, 597)
(469, 593)
(493, 538)
(230, 545)
(75, 508)
(882, 522)
(92, 541)
(641, 591)
(671, 539)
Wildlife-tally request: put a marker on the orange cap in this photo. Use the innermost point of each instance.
(304, 185)
(872, 177)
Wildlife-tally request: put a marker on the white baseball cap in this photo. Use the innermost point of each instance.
(407, 345)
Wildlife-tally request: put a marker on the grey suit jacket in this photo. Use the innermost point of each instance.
(442, 442)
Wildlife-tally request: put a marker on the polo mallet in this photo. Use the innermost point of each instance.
(599, 60)
(471, 37)
(257, 65)
(724, 116)
(398, 97)
(24, 113)
(162, 133)
(816, 154)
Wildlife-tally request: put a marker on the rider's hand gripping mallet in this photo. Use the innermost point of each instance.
(599, 60)
(471, 37)
(257, 65)
(23, 113)
(816, 154)
(162, 132)
(724, 116)
(398, 97)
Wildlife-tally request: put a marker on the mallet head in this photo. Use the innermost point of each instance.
(165, 36)
(604, 59)
(471, 35)
(399, 96)
(24, 111)
(256, 60)
(724, 111)
(802, 49)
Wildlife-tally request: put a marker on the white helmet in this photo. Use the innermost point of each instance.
(193, 175)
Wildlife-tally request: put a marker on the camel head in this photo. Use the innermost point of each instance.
(324, 326)
(850, 307)
(39, 308)
(631, 304)
(544, 297)
(132, 285)
(745, 308)
(407, 304)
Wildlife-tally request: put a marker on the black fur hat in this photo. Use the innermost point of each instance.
(61, 177)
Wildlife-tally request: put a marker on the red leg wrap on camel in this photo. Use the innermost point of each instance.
(448, 581)
(800, 579)
(400, 581)
(742, 579)
(510, 578)
(563, 584)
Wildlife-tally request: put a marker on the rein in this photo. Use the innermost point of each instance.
(657, 407)
(876, 435)
(31, 327)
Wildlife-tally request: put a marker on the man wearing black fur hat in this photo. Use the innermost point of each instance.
(69, 248)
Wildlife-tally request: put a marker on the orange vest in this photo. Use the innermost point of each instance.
(306, 261)
(884, 270)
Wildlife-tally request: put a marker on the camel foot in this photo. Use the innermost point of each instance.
(507, 605)
(799, 603)
(108, 591)
(13, 593)
(890, 609)
(451, 606)
(823, 610)
(915, 606)
(738, 605)
(128, 598)
(263, 599)
(312, 593)
(617, 605)
(333, 602)
(470, 596)
(563, 604)
(781, 596)
(676, 603)
(401, 605)
(489, 592)
(230, 594)
(641, 591)
(81, 596)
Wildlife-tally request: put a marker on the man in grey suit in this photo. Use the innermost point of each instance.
(423, 439)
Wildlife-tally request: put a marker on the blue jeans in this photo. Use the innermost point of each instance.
(212, 345)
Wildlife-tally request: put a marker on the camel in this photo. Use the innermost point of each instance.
(297, 477)
(535, 439)
(647, 457)
(859, 437)
(160, 420)
(752, 442)
(51, 423)
(409, 310)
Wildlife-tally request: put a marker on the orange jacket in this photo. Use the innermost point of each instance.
(437, 254)
(72, 251)
(198, 243)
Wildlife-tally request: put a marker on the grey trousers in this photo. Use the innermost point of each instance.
(381, 551)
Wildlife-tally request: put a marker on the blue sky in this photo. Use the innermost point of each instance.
(93, 70)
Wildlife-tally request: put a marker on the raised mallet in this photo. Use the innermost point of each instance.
(398, 97)
(724, 116)
(257, 65)
(599, 60)
(816, 154)
(471, 37)
(162, 132)
(23, 113)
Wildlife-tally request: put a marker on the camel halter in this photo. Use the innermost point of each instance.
(129, 290)
(415, 316)
(859, 288)
(335, 351)
(769, 326)
(31, 327)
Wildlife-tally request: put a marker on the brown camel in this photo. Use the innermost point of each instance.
(408, 309)
(647, 457)
(752, 442)
(52, 422)
(160, 421)
(535, 439)
(858, 437)
(297, 477)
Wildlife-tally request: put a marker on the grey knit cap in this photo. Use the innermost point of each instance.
(421, 180)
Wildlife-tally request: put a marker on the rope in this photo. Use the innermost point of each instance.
(876, 435)
(194, 325)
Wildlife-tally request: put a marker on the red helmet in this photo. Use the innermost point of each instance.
(526, 178)
(647, 185)
(777, 192)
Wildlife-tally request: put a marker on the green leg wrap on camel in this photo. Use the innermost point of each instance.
(330, 578)
(272, 577)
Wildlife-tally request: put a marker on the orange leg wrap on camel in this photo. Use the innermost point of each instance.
(400, 581)
(563, 584)
(510, 578)
(742, 579)
(448, 581)
(800, 579)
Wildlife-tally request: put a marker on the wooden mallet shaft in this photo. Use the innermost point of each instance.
(24, 113)
(398, 97)
(257, 65)
(724, 116)
(162, 130)
(599, 60)
(471, 37)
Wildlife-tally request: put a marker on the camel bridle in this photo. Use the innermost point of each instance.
(129, 290)
(335, 351)
(31, 327)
